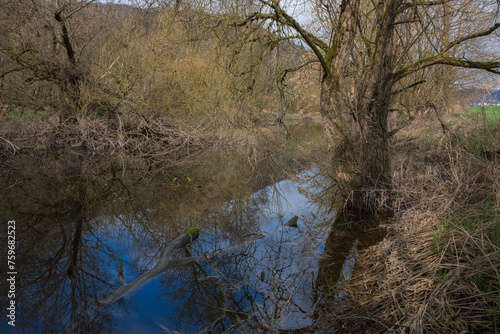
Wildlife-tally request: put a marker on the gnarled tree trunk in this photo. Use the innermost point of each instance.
(368, 167)
(340, 147)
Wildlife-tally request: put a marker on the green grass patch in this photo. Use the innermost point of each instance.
(469, 240)
(478, 223)
(487, 211)
(486, 114)
(479, 138)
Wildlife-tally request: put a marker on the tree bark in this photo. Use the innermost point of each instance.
(71, 73)
(370, 166)
(340, 147)
(375, 150)
(335, 118)
(374, 103)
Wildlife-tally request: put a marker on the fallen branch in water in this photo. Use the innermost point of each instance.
(164, 264)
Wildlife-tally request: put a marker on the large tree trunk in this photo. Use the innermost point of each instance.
(335, 118)
(375, 101)
(368, 167)
(365, 165)
(375, 155)
(340, 147)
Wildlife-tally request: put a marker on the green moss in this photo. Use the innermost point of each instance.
(193, 231)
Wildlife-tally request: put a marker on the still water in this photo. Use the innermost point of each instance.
(84, 229)
(264, 283)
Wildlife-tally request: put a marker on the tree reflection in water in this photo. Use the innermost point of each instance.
(60, 265)
(76, 226)
(260, 285)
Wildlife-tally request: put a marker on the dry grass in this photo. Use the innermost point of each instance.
(168, 142)
(437, 271)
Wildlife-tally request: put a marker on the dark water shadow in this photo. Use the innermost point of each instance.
(351, 232)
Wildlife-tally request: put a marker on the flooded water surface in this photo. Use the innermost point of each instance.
(83, 234)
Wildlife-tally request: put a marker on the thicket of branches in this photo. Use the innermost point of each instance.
(156, 80)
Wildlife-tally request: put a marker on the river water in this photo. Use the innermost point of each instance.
(84, 229)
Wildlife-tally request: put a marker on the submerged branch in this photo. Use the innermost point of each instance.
(164, 264)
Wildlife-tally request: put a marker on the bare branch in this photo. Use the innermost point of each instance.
(443, 60)
(472, 36)
(83, 5)
(414, 4)
(440, 58)
(296, 68)
(408, 87)
(280, 16)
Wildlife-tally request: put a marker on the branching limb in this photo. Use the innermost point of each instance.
(82, 6)
(413, 4)
(399, 91)
(296, 68)
(441, 59)
(472, 36)
(280, 16)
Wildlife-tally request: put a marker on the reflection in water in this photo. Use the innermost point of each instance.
(58, 262)
(351, 232)
(81, 231)
(260, 285)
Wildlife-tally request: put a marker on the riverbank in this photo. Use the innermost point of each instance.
(437, 270)
(162, 141)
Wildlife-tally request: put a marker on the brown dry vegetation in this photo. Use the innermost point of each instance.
(144, 82)
(437, 270)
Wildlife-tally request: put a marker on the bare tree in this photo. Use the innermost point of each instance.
(370, 51)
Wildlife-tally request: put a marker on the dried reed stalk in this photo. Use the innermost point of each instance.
(437, 271)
